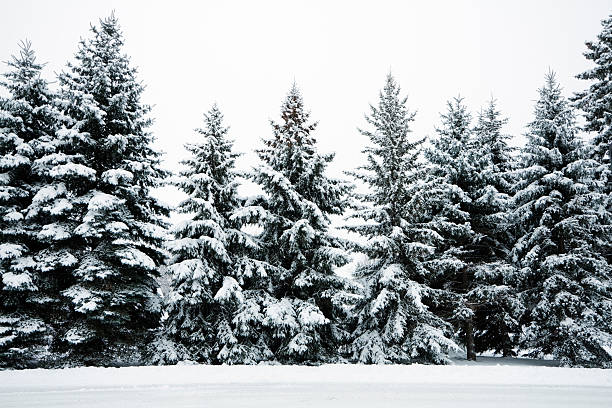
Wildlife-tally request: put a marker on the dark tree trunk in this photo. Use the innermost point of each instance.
(469, 340)
(610, 157)
(469, 324)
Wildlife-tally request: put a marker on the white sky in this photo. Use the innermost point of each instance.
(244, 55)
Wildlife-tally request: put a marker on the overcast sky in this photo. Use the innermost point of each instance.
(244, 55)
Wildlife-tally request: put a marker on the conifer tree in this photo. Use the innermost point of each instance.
(28, 294)
(469, 181)
(120, 226)
(293, 309)
(205, 292)
(452, 175)
(497, 308)
(394, 320)
(596, 101)
(561, 210)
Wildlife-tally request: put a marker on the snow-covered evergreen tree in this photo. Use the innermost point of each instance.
(394, 321)
(596, 100)
(470, 183)
(561, 210)
(28, 294)
(496, 306)
(453, 173)
(596, 103)
(294, 301)
(205, 293)
(119, 233)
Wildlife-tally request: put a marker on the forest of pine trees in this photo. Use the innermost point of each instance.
(469, 245)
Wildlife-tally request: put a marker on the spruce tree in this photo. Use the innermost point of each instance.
(208, 247)
(394, 321)
(294, 309)
(28, 294)
(470, 183)
(492, 296)
(452, 174)
(561, 210)
(596, 100)
(120, 226)
(596, 103)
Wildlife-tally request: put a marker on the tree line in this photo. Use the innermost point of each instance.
(469, 243)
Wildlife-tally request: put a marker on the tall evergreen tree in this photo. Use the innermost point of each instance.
(470, 182)
(297, 304)
(497, 308)
(452, 175)
(28, 294)
(596, 103)
(596, 100)
(208, 247)
(561, 209)
(394, 320)
(120, 226)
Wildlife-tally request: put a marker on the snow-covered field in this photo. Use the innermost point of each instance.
(489, 383)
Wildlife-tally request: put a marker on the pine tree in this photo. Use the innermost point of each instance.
(28, 295)
(561, 210)
(205, 293)
(293, 311)
(394, 321)
(596, 101)
(120, 226)
(496, 306)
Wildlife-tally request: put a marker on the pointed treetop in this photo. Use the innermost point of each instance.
(110, 25)
(391, 86)
(551, 83)
(214, 120)
(26, 69)
(294, 128)
(456, 121)
(389, 95)
(551, 102)
(27, 56)
(553, 127)
(292, 108)
(391, 117)
(106, 36)
(489, 117)
(31, 101)
(295, 89)
(490, 110)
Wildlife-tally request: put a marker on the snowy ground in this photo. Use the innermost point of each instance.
(491, 383)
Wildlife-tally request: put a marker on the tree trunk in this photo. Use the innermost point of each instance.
(469, 324)
(610, 157)
(469, 340)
